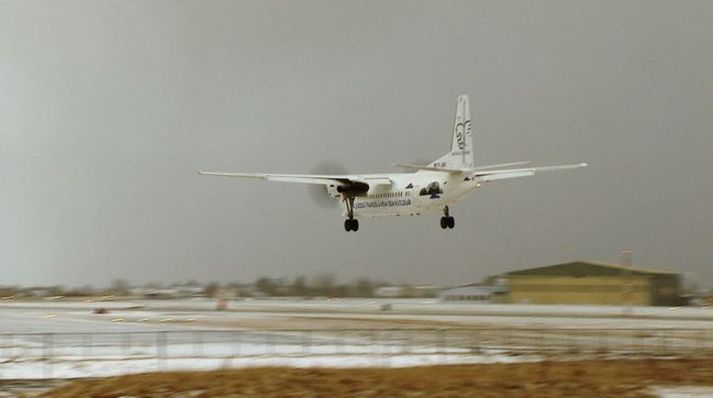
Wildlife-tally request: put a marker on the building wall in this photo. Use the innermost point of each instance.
(602, 290)
(666, 290)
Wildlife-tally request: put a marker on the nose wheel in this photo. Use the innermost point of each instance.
(447, 221)
(350, 224)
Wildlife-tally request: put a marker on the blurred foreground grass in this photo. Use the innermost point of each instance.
(605, 378)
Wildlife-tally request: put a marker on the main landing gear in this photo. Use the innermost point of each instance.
(447, 221)
(350, 224)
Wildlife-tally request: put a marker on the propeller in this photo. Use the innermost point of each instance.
(319, 192)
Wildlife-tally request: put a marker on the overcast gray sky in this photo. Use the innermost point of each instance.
(108, 109)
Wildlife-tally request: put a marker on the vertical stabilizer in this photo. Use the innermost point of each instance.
(461, 154)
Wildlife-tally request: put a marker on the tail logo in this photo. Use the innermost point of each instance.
(461, 132)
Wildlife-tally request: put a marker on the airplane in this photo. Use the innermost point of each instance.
(432, 188)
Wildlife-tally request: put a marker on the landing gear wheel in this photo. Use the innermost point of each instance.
(447, 221)
(351, 224)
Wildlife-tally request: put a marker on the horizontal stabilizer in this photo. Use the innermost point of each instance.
(495, 166)
(429, 168)
(463, 170)
(494, 175)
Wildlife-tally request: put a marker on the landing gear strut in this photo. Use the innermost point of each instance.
(350, 224)
(447, 221)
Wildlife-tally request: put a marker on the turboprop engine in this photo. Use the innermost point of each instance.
(354, 189)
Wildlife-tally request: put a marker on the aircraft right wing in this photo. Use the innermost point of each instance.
(504, 174)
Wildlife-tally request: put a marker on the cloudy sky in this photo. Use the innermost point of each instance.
(108, 109)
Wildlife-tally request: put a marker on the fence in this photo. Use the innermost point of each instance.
(46, 355)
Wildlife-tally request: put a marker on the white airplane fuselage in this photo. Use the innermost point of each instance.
(409, 195)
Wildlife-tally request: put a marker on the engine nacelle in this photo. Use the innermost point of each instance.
(353, 189)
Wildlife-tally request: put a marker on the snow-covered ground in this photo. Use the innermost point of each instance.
(81, 369)
(682, 392)
(43, 339)
(105, 360)
(72, 355)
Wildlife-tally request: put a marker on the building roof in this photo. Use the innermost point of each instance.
(586, 268)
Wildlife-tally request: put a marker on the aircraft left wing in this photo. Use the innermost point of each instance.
(318, 179)
(495, 175)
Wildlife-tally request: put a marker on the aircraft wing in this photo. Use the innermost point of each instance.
(457, 171)
(318, 179)
(495, 175)
(428, 168)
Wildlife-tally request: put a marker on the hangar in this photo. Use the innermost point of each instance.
(583, 282)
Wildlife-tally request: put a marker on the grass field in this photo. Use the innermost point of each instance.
(623, 378)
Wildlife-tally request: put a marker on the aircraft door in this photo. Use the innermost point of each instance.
(418, 198)
(428, 196)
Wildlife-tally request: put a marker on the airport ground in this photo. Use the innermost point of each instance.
(135, 315)
(624, 378)
(647, 368)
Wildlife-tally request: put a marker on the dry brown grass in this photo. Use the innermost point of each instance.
(623, 378)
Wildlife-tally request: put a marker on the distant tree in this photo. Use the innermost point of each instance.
(87, 290)
(299, 286)
(340, 291)
(266, 286)
(56, 290)
(8, 291)
(73, 292)
(211, 289)
(364, 288)
(324, 285)
(120, 287)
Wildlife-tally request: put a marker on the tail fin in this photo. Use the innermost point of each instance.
(461, 154)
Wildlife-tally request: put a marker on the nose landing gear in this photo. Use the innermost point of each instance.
(447, 221)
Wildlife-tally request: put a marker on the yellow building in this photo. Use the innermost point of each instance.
(593, 283)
